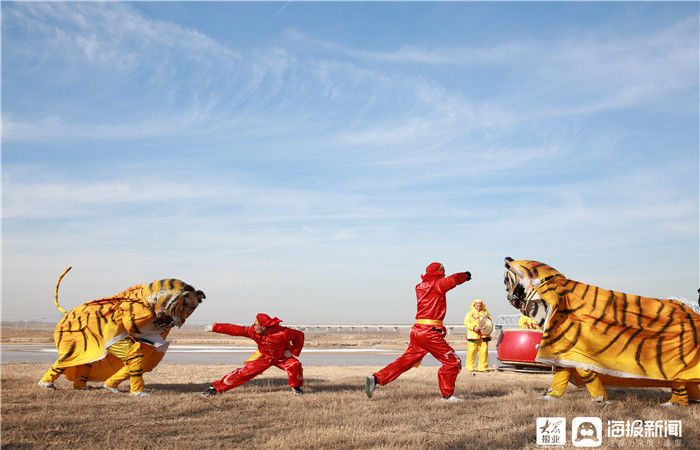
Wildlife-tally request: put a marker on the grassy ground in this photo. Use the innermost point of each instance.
(499, 411)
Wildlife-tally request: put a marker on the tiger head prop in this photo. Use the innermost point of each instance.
(172, 301)
(521, 279)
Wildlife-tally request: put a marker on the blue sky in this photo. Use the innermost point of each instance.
(308, 160)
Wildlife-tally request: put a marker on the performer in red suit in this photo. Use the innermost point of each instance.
(277, 346)
(428, 334)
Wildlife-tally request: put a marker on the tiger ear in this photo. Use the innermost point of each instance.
(508, 261)
(200, 296)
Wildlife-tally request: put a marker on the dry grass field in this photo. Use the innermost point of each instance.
(499, 411)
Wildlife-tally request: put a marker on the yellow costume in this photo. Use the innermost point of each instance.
(627, 340)
(120, 337)
(528, 323)
(477, 343)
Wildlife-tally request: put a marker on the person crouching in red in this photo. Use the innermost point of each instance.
(277, 346)
(428, 334)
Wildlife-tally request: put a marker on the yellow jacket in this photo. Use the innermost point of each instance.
(472, 320)
(528, 323)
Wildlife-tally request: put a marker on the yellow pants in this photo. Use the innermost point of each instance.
(480, 347)
(681, 392)
(52, 374)
(129, 351)
(591, 379)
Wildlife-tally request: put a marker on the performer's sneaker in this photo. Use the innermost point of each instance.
(111, 389)
(140, 394)
(370, 385)
(209, 392)
(297, 391)
(452, 399)
(548, 397)
(46, 385)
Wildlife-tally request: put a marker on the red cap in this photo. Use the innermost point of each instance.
(266, 321)
(434, 267)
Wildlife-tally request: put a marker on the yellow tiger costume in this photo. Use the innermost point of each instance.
(120, 337)
(606, 337)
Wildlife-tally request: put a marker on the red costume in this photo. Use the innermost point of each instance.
(277, 345)
(428, 334)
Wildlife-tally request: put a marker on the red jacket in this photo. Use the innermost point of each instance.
(273, 343)
(432, 303)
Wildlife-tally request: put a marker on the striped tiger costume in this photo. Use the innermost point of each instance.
(605, 337)
(120, 337)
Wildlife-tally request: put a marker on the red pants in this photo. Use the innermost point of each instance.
(426, 339)
(252, 369)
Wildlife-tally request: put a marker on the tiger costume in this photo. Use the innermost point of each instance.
(605, 337)
(119, 337)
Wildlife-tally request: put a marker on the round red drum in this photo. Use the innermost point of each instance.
(518, 345)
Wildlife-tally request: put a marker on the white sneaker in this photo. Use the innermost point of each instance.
(370, 386)
(670, 404)
(140, 394)
(547, 397)
(46, 385)
(111, 389)
(601, 401)
(452, 399)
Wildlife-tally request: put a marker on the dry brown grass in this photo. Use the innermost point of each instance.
(499, 411)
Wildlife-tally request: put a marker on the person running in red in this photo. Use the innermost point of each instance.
(277, 346)
(428, 334)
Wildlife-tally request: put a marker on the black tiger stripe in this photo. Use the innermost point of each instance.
(629, 341)
(588, 375)
(94, 336)
(637, 357)
(583, 296)
(683, 306)
(624, 307)
(570, 311)
(679, 391)
(555, 340)
(659, 350)
(567, 291)
(68, 354)
(639, 311)
(60, 338)
(550, 288)
(539, 264)
(666, 325)
(99, 318)
(613, 340)
(595, 299)
(692, 327)
(681, 342)
(529, 272)
(84, 340)
(658, 315)
(133, 324)
(602, 313)
(133, 358)
(573, 341)
(591, 379)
